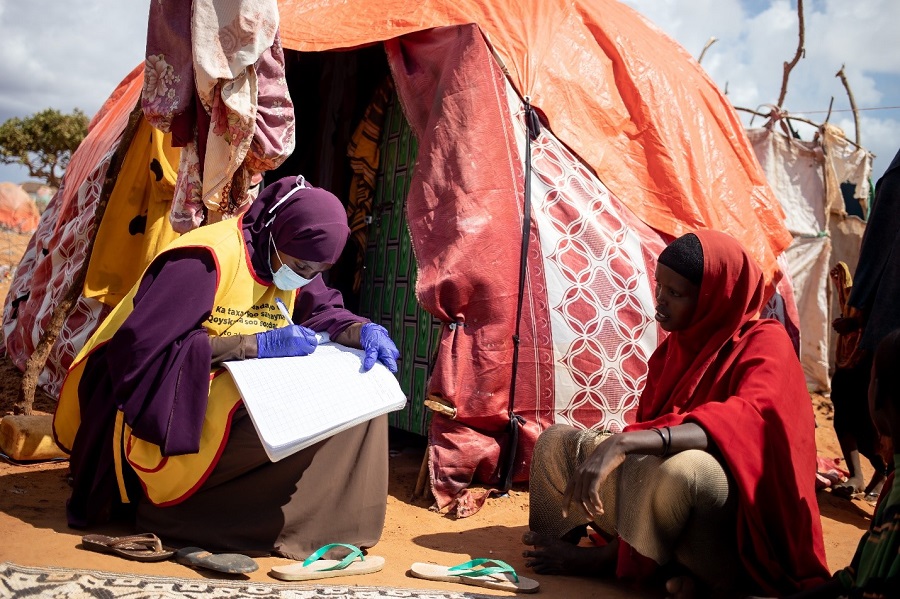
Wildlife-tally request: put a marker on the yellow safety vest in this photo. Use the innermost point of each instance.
(243, 305)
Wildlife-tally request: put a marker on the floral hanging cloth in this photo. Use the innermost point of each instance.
(214, 77)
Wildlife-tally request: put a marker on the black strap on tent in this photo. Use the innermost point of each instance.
(533, 126)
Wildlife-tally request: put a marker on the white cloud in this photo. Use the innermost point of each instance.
(756, 37)
(65, 55)
(72, 54)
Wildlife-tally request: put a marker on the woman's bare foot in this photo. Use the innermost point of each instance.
(847, 490)
(681, 587)
(555, 556)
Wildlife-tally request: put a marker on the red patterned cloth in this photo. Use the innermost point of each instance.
(464, 218)
(587, 329)
(57, 250)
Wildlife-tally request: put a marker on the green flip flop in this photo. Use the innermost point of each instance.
(313, 568)
(482, 572)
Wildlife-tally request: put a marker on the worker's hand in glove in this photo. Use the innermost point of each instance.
(375, 339)
(292, 340)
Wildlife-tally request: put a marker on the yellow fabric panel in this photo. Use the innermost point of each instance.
(243, 305)
(135, 226)
(170, 479)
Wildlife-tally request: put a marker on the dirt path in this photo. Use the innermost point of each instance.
(33, 529)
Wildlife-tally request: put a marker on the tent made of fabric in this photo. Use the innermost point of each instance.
(628, 100)
(18, 212)
(809, 178)
(636, 146)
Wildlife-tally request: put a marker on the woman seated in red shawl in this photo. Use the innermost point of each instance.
(156, 431)
(713, 487)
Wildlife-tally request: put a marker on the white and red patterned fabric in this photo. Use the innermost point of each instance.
(601, 295)
(57, 250)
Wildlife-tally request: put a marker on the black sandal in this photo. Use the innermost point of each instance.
(142, 547)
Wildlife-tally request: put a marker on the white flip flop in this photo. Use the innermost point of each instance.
(313, 568)
(500, 575)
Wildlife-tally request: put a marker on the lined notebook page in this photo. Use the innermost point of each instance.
(298, 401)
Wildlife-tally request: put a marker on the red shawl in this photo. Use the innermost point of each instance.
(739, 378)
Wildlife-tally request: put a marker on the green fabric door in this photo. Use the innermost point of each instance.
(388, 294)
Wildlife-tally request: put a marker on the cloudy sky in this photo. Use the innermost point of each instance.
(65, 55)
(756, 37)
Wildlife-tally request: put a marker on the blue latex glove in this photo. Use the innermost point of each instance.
(292, 340)
(375, 339)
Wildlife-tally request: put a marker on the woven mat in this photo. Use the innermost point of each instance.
(26, 581)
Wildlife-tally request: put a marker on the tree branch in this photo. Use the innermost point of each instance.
(712, 40)
(784, 115)
(788, 66)
(830, 106)
(846, 83)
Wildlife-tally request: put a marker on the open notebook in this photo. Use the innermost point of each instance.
(296, 402)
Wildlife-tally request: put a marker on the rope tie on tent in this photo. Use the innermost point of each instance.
(533, 126)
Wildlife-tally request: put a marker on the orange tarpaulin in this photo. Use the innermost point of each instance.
(18, 211)
(624, 96)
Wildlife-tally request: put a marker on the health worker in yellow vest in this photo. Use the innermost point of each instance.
(158, 434)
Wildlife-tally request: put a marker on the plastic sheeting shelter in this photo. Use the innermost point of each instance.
(640, 146)
(18, 211)
(637, 146)
(808, 178)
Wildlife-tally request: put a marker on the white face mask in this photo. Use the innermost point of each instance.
(285, 278)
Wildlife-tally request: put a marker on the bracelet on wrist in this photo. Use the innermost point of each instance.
(662, 436)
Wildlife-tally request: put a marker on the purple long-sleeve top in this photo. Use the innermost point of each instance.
(155, 368)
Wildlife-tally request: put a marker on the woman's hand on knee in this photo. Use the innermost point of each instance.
(583, 489)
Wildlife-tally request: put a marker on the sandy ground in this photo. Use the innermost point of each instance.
(33, 528)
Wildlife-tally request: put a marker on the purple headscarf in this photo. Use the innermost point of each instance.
(305, 222)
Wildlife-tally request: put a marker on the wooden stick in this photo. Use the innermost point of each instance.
(846, 83)
(769, 115)
(788, 66)
(35, 363)
(792, 117)
(712, 40)
(830, 106)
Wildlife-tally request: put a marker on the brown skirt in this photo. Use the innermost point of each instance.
(680, 508)
(332, 492)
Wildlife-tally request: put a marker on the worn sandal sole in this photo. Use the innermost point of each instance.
(227, 563)
(317, 569)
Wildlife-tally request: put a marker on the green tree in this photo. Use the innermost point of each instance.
(43, 142)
